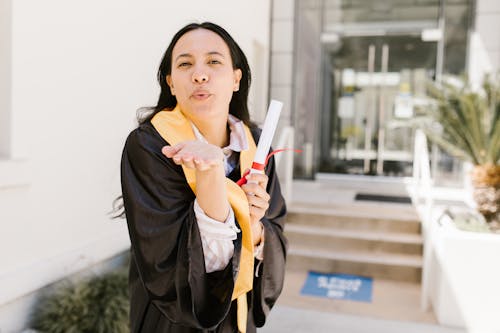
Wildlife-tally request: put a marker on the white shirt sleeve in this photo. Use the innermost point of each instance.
(258, 251)
(216, 238)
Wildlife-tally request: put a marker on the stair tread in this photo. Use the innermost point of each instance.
(355, 210)
(372, 257)
(396, 237)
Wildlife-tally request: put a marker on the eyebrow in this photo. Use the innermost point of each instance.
(190, 55)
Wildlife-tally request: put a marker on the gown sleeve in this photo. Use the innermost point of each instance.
(165, 237)
(268, 283)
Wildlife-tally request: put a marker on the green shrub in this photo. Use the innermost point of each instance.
(96, 305)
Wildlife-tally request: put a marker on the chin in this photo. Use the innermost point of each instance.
(203, 108)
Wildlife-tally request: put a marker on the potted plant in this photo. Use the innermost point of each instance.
(466, 124)
(462, 279)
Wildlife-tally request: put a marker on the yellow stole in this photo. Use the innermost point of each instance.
(174, 127)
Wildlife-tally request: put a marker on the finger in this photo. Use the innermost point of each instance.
(259, 178)
(256, 190)
(258, 199)
(257, 213)
(187, 160)
(177, 160)
(201, 165)
(249, 188)
(187, 157)
(258, 202)
(181, 158)
(170, 151)
(189, 164)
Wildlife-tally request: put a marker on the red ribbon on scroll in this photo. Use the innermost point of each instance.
(261, 167)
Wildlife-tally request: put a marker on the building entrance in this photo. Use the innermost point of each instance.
(371, 85)
(360, 70)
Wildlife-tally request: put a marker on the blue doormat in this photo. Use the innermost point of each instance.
(338, 286)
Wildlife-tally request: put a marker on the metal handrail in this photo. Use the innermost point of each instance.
(422, 192)
(422, 171)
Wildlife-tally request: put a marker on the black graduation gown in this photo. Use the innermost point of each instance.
(170, 290)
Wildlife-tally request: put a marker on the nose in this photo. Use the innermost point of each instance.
(200, 77)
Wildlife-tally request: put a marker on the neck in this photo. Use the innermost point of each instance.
(215, 132)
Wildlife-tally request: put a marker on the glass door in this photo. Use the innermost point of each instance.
(370, 86)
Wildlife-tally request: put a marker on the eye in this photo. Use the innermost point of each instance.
(184, 64)
(214, 62)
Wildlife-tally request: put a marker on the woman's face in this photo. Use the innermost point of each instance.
(202, 76)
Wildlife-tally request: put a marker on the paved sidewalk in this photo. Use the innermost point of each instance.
(284, 319)
(390, 300)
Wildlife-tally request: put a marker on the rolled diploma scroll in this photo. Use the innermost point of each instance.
(266, 137)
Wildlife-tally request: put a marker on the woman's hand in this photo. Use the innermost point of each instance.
(195, 155)
(258, 200)
(207, 161)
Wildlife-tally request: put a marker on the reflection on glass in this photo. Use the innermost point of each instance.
(361, 69)
(375, 80)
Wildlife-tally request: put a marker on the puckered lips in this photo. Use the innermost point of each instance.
(201, 94)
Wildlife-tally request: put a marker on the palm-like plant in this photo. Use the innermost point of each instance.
(466, 124)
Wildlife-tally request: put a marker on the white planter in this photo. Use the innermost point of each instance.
(464, 278)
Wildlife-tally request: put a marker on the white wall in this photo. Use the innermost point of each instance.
(484, 42)
(282, 56)
(488, 26)
(80, 69)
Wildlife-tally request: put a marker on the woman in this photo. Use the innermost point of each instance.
(207, 255)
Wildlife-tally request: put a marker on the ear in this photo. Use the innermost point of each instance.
(237, 78)
(169, 82)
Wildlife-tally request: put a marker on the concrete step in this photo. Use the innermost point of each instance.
(353, 221)
(379, 240)
(369, 257)
(331, 239)
(374, 235)
(375, 264)
(405, 212)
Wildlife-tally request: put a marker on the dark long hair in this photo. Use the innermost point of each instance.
(239, 102)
